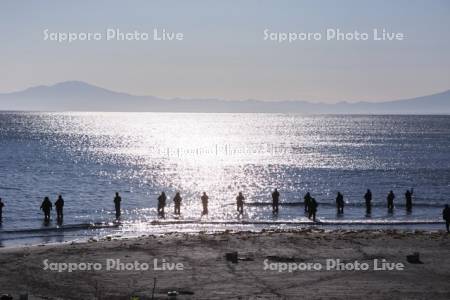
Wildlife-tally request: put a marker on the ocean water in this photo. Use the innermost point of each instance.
(87, 157)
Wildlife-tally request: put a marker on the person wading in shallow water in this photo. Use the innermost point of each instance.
(340, 203)
(390, 201)
(46, 206)
(161, 204)
(312, 209)
(59, 205)
(306, 201)
(1, 209)
(408, 198)
(446, 216)
(204, 199)
(240, 203)
(368, 199)
(117, 200)
(275, 201)
(177, 201)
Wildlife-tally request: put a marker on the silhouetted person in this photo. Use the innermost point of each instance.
(368, 199)
(390, 201)
(275, 201)
(46, 206)
(408, 198)
(340, 203)
(446, 216)
(205, 199)
(59, 205)
(306, 201)
(312, 209)
(240, 203)
(1, 209)
(162, 203)
(177, 201)
(117, 200)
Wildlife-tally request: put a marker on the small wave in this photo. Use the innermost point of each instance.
(293, 223)
(9, 188)
(85, 226)
(354, 204)
(68, 227)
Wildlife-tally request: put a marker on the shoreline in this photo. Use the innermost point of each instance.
(208, 275)
(97, 231)
(58, 235)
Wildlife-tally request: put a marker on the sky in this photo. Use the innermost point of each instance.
(224, 54)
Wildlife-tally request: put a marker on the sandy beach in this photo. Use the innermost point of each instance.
(271, 265)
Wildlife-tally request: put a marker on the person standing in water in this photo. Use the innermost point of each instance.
(340, 203)
(446, 216)
(240, 203)
(46, 206)
(204, 199)
(117, 201)
(161, 204)
(408, 198)
(306, 201)
(390, 201)
(59, 205)
(275, 201)
(177, 201)
(368, 199)
(1, 209)
(312, 209)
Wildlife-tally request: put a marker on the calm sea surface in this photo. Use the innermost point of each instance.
(87, 157)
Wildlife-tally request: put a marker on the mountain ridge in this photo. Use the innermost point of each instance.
(81, 96)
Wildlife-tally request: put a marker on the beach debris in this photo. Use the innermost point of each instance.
(6, 297)
(23, 296)
(232, 256)
(283, 258)
(414, 258)
(186, 292)
(246, 258)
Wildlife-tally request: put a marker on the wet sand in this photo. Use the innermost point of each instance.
(207, 274)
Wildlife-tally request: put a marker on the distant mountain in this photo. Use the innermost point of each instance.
(81, 96)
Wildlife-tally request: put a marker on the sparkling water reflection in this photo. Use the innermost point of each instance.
(89, 156)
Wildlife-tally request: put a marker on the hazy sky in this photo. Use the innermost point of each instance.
(224, 55)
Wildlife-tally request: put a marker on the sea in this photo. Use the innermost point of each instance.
(88, 157)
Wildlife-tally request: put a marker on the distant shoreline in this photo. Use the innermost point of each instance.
(82, 96)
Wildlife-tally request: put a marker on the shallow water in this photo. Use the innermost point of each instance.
(88, 156)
